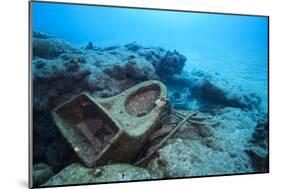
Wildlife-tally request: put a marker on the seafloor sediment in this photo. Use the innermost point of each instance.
(235, 139)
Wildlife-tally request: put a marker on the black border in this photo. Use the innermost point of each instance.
(30, 97)
(30, 123)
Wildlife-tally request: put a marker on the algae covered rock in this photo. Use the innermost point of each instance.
(213, 91)
(172, 63)
(133, 46)
(60, 72)
(198, 150)
(259, 159)
(260, 134)
(41, 173)
(184, 158)
(136, 69)
(258, 151)
(121, 172)
(41, 35)
(77, 174)
(73, 174)
(50, 48)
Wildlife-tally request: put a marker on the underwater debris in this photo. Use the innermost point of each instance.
(170, 123)
(99, 127)
(141, 104)
(156, 147)
(180, 99)
(186, 155)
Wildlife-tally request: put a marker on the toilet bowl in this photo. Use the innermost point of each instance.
(114, 129)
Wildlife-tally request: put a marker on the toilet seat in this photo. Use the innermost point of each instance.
(127, 119)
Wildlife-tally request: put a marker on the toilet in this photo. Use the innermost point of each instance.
(114, 129)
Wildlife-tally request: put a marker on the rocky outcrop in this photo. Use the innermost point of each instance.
(260, 135)
(41, 173)
(77, 174)
(185, 158)
(48, 47)
(172, 63)
(61, 71)
(133, 46)
(131, 70)
(258, 151)
(209, 90)
(217, 147)
(220, 93)
(72, 174)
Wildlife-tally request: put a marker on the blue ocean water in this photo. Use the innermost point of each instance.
(234, 47)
